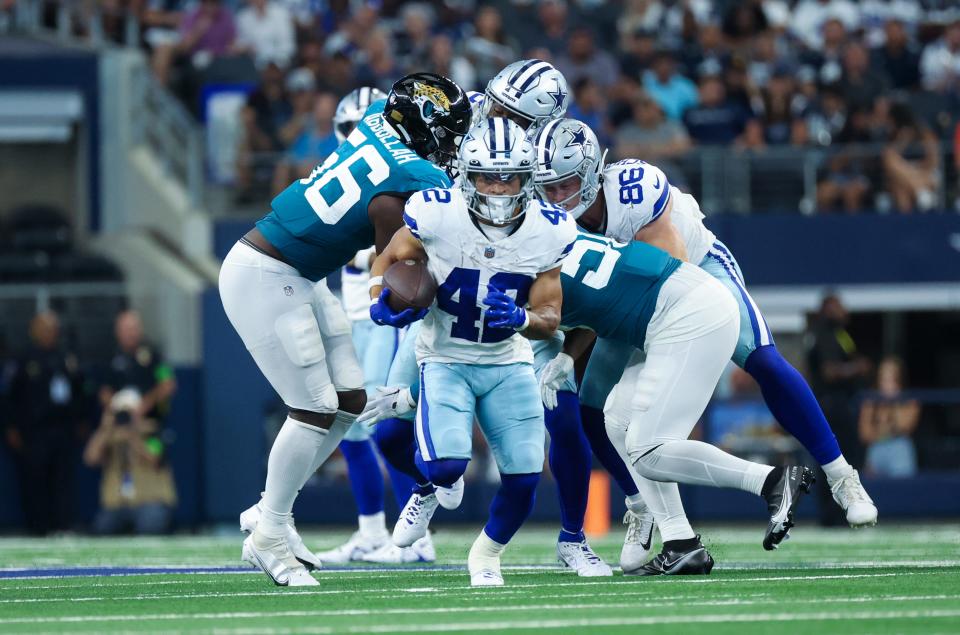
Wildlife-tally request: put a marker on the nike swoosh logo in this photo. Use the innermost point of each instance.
(686, 556)
(656, 185)
(646, 545)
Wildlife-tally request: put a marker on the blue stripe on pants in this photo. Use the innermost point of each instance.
(743, 293)
(423, 423)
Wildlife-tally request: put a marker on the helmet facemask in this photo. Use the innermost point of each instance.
(498, 210)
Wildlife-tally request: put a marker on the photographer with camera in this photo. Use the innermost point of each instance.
(136, 489)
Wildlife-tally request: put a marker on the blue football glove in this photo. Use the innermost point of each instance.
(504, 312)
(382, 314)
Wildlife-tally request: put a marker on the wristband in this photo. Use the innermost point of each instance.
(526, 321)
(374, 281)
(362, 258)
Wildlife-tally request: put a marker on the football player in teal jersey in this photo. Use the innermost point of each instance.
(296, 330)
(683, 326)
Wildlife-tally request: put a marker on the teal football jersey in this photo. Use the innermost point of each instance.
(318, 223)
(612, 287)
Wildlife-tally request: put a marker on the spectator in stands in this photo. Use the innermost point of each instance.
(489, 49)
(553, 30)
(652, 137)
(267, 111)
(810, 15)
(716, 121)
(887, 421)
(583, 59)
(764, 59)
(897, 57)
(837, 372)
(312, 146)
(265, 31)
(709, 50)
(412, 41)
(940, 62)
(589, 106)
(844, 182)
(206, 32)
(861, 85)
(911, 162)
(779, 125)
(139, 365)
(379, 67)
(136, 488)
(743, 21)
(47, 407)
(637, 51)
(443, 61)
(674, 92)
(827, 59)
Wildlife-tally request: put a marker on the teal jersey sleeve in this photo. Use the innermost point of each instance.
(318, 223)
(612, 288)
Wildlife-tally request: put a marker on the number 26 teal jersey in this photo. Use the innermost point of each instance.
(318, 223)
(612, 287)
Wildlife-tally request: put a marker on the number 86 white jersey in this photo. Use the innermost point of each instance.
(464, 262)
(638, 193)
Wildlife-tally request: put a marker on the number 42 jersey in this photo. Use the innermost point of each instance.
(318, 223)
(464, 262)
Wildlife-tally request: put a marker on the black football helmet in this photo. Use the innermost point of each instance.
(431, 114)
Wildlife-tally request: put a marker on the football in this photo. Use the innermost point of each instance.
(410, 284)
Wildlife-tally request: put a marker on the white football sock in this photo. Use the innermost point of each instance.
(374, 525)
(485, 553)
(635, 503)
(662, 499)
(698, 463)
(664, 502)
(837, 469)
(298, 447)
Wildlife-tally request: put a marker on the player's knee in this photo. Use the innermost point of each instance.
(445, 472)
(352, 401)
(644, 460)
(393, 435)
(563, 422)
(525, 457)
(316, 419)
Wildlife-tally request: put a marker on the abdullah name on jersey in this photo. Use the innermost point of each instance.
(318, 223)
(612, 287)
(464, 261)
(637, 193)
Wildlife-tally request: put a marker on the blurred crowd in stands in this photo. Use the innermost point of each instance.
(873, 83)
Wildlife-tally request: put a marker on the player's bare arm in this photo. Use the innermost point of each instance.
(663, 234)
(577, 341)
(543, 307)
(403, 246)
(386, 215)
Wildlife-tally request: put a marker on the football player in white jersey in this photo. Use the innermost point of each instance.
(532, 93)
(632, 199)
(495, 252)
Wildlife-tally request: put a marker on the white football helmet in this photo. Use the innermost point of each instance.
(567, 148)
(351, 108)
(496, 148)
(531, 89)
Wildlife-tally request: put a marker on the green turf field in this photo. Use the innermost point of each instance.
(888, 579)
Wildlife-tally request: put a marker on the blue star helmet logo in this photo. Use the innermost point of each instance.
(579, 138)
(558, 97)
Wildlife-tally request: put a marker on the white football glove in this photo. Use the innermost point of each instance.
(387, 403)
(552, 377)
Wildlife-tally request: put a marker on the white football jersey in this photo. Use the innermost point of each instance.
(464, 262)
(637, 193)
(355, 294)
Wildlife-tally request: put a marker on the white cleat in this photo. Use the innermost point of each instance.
(274, 558)
(582, 559)
(248, 523)
(638, 541)
(356, 548)
(420, 551)
(486, 577)
(853, 498)
(450, 497)
(414, 519)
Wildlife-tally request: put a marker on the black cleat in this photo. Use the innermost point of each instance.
(782, 499)
(694, 561)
